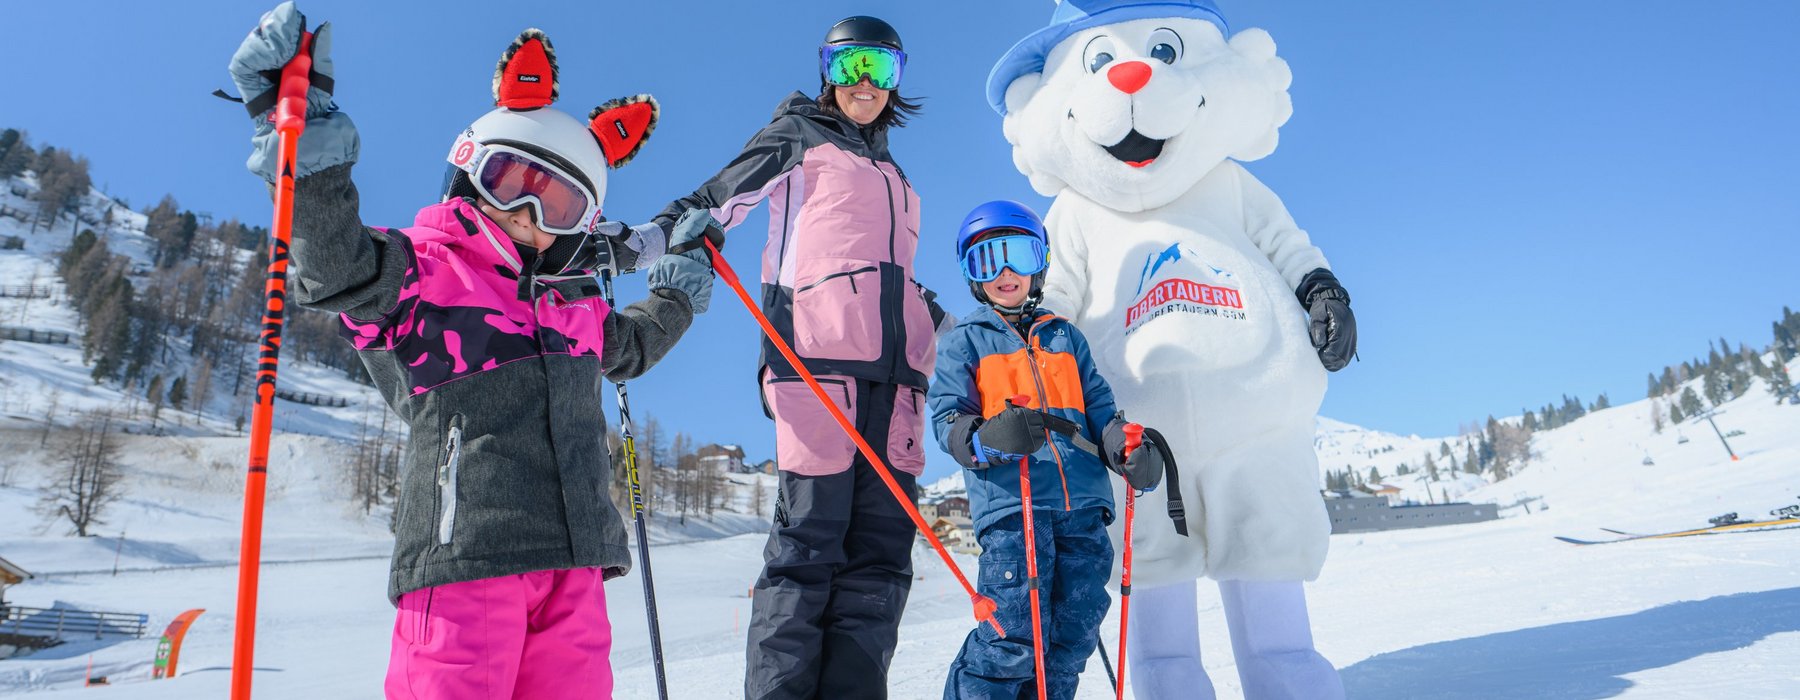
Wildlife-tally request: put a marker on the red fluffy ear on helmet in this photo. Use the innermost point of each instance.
(623, 125)
(526, 75)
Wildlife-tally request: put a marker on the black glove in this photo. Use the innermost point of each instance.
(1333, 327)
(1143, 470)
(962, 440)
(1009, 435)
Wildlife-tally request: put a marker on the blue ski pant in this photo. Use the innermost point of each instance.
(1074, 561)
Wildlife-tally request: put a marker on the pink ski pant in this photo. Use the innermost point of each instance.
(542, 634)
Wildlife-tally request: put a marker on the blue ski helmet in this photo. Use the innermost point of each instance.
(1002, 215)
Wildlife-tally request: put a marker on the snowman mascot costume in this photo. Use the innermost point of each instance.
(1208, 309)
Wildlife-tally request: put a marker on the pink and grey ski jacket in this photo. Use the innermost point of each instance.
(498, 374)
(837, 269)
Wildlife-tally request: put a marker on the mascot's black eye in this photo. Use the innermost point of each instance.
(1100, 61)
(1163, 52)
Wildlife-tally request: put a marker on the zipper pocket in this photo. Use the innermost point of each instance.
(848, 273)
(446, 480)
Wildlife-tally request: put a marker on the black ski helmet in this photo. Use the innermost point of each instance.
(863, 29)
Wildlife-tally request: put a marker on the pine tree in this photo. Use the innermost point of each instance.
(1470, 463)
(1602, 403)
(1374, 475)
(1690, 402)
(1713, 384)
(1667, 383)
(1431, 470)
(16, 155)
(1655, 389)
(1444, 448)
(178, 392)
(1531, 423)
(1780, 384)
(154, 393)
(1675, 415)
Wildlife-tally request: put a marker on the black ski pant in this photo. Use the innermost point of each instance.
(825, 614)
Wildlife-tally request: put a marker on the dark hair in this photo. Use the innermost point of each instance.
(895, 113)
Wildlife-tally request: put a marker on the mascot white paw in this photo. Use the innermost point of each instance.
(1209, 311)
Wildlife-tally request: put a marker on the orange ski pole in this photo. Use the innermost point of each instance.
(290, 120)
(984, 606)
(1134, 437)
(1031, 574)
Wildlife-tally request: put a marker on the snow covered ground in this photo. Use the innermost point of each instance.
(1489, 610)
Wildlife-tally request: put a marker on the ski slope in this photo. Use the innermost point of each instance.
(1487, 610)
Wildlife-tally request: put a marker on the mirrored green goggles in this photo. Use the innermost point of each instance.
(848, 64)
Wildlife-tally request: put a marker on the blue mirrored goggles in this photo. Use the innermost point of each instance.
(1024, 253)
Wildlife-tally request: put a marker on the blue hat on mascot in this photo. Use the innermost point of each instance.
(1073, 16)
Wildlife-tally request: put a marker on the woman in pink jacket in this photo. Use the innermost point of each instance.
(837, 275)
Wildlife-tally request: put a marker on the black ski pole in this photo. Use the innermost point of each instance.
(1107, 663)
(637, 515)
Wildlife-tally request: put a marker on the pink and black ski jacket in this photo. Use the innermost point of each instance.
(498, 373)
(837, 269)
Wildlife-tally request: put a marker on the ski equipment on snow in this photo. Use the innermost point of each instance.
(1031, 571)
(1134, 438)
(629, 444)
(984, 606)
(1740, 527)
(290, 121)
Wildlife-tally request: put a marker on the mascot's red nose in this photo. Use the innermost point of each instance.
(1130, 76)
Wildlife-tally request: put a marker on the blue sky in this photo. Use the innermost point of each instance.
(1525, 198)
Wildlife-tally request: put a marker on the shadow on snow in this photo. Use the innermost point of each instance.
(1576, 660)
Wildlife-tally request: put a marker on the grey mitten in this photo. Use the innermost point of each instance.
(330, 138)
(688, 266)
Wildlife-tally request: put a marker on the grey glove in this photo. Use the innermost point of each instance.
(694, 225)
(330, 138)
(633, 247)
(690, 271)
(686, 273)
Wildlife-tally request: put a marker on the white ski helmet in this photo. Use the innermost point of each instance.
(525, 131)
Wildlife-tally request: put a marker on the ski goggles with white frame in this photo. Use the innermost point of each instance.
(509, 177)
(846, 65)
(985, 259)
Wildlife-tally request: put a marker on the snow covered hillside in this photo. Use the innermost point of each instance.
(1488, 610)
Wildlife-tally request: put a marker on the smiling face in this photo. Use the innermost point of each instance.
(861, 102)
(1131, 115)
(1009, 289)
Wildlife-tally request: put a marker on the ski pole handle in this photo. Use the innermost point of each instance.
(290, 103)
(1134, 438)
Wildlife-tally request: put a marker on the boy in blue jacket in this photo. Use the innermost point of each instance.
(1014, 348)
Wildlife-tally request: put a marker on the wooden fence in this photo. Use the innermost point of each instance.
(312, 399)
(25, 291)
(67, 623)
(33, 335)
